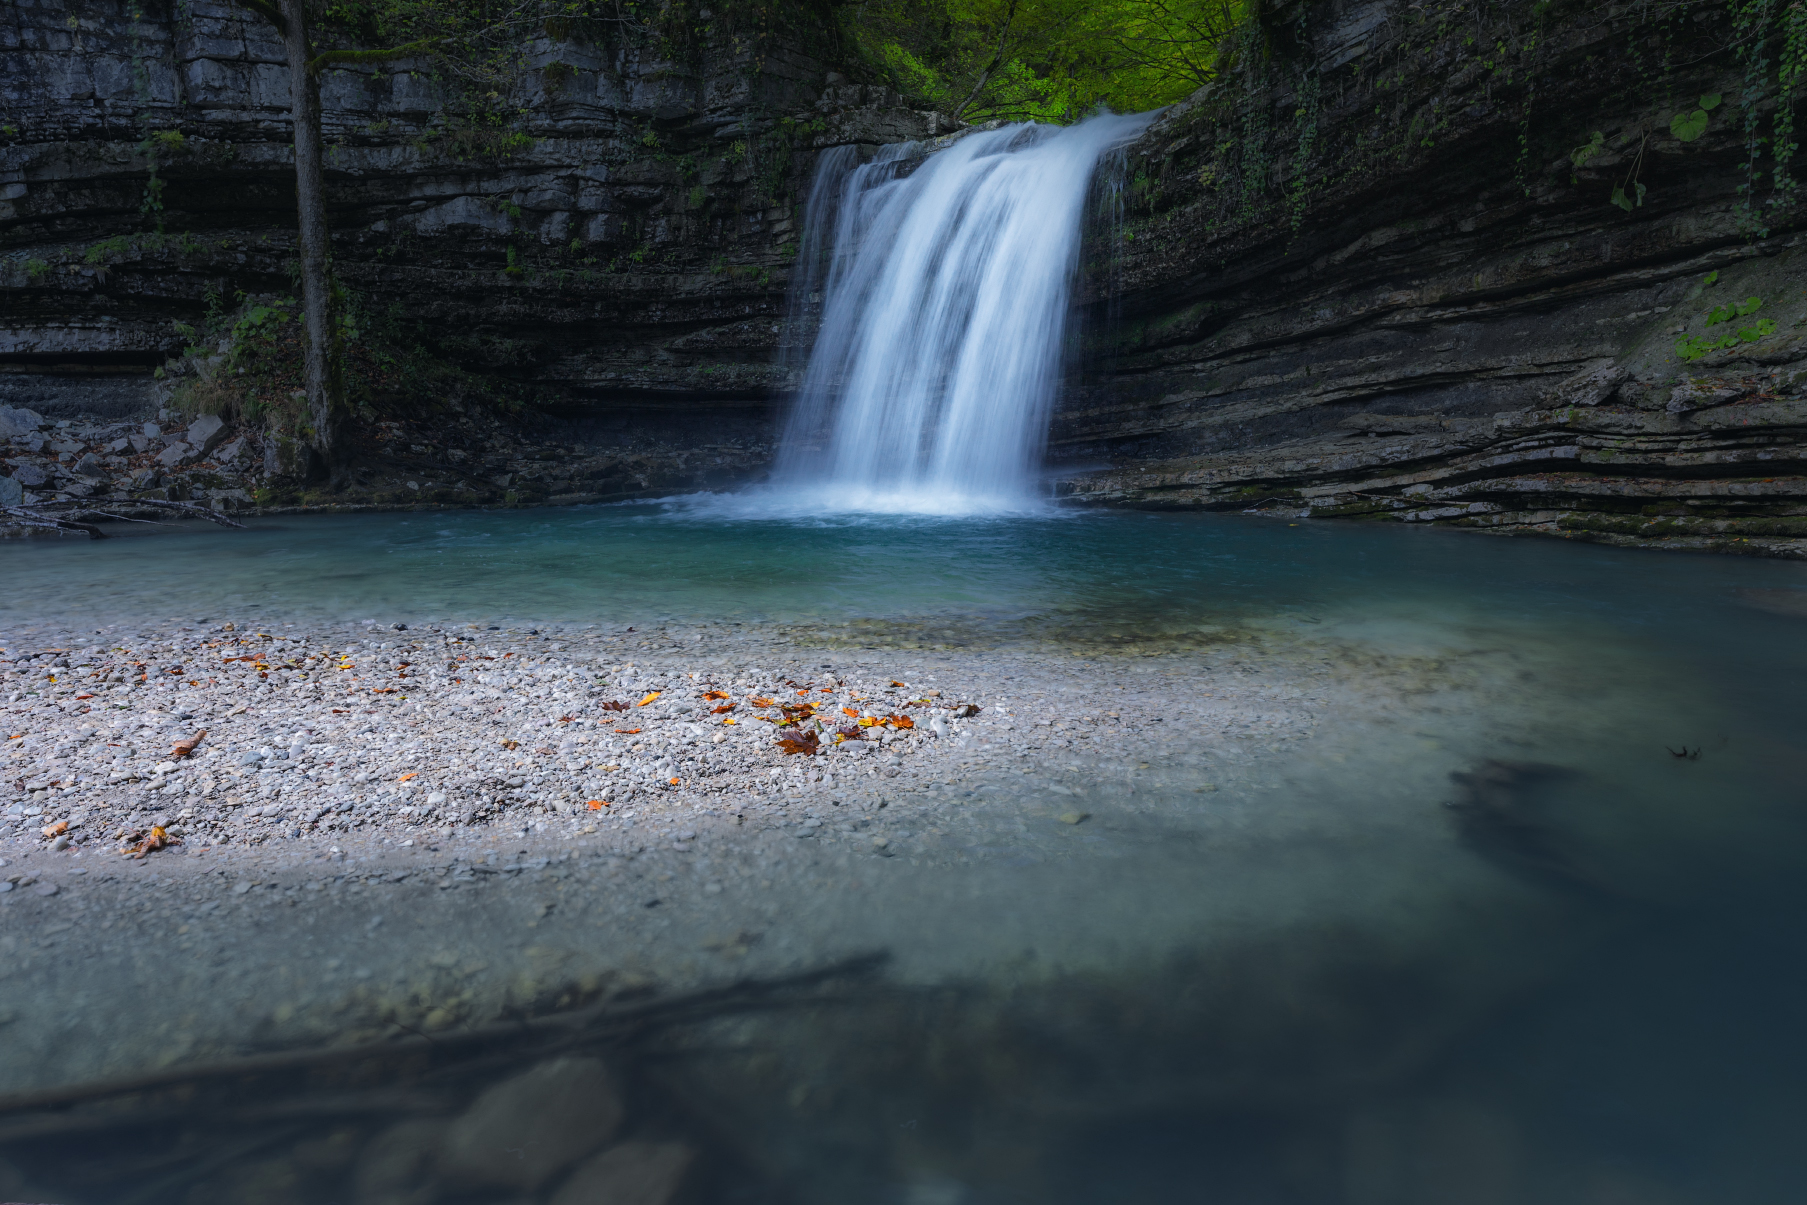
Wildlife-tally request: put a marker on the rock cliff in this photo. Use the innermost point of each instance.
(1380, 272)
(622, 241)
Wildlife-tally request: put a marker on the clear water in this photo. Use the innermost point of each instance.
(1237, 998)
(942, 317)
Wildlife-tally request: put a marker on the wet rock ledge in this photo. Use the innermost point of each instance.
(456, 460)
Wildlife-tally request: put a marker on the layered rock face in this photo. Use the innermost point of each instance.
(621, 243)
(1391, 281)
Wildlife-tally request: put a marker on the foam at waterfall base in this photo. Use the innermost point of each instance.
(832, 501)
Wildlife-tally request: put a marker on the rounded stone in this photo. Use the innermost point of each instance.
(634, 1173)
(520, 1133)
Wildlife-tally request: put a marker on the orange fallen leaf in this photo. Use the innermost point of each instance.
(675, 781)
(628, 731)
(406, 777)
(850, 711)
(183, 748)
(900, 721)
(867, 721)
(765, 702)
(596, 805)
(715, 694)
(894, 682)
(804, 691)
(729, 720)
(725, 707)
(91, 696)
(340, 711)
(151, 841)
(649, 698)
(57, 829)
(386, 690)
(828, 690)
(566, 719)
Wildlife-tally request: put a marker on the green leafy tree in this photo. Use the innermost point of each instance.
(1045, 60)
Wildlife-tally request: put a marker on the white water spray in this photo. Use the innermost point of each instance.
(943, 311)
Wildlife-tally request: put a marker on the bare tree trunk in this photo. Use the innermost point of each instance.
(318, 351)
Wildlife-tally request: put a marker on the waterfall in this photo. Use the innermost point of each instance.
(943, 309)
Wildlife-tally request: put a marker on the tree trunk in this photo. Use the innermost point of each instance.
(320, 338)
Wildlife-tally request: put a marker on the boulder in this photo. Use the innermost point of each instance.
(30, 476)
(521, 1133)
(16, 422)
(205, 433)
(11, 492)
(174, 455)
(90, 466)
(634, 1173)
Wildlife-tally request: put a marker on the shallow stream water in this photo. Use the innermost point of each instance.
(1314, 984)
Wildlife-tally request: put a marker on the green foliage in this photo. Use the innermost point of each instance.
(1044, 60)
(1689, 126)
(36, 270)
(1582, 155)
(1763, 28)
(1693, 347)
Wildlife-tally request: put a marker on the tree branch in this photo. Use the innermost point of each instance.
(997, 57)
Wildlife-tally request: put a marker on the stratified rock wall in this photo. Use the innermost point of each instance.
(1374, 272)
(625, 239)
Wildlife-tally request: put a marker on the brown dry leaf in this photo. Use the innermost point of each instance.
(628, 731)
(806, 744)
(965, 710)
(566, 719)
(852, 732)
(184, 748)
(715, 694)
(900, 721)
(895, 682)
(612, 706)
(867, 721)
(765, 702)
(544, 749)
(651, 695)
(148, 842)
(724, 707)
(55, 830)
(852, 711)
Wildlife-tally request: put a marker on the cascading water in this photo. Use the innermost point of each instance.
(942, 316)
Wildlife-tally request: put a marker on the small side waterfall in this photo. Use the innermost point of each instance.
(943, 307)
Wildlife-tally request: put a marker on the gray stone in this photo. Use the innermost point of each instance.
(634, 1173)
(30, 476)
(174, 455)
(205, 433)
(521, 1133)
(11, 492)
(396, 1168)
(151, 431)
(90, 466)
(16, 422)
